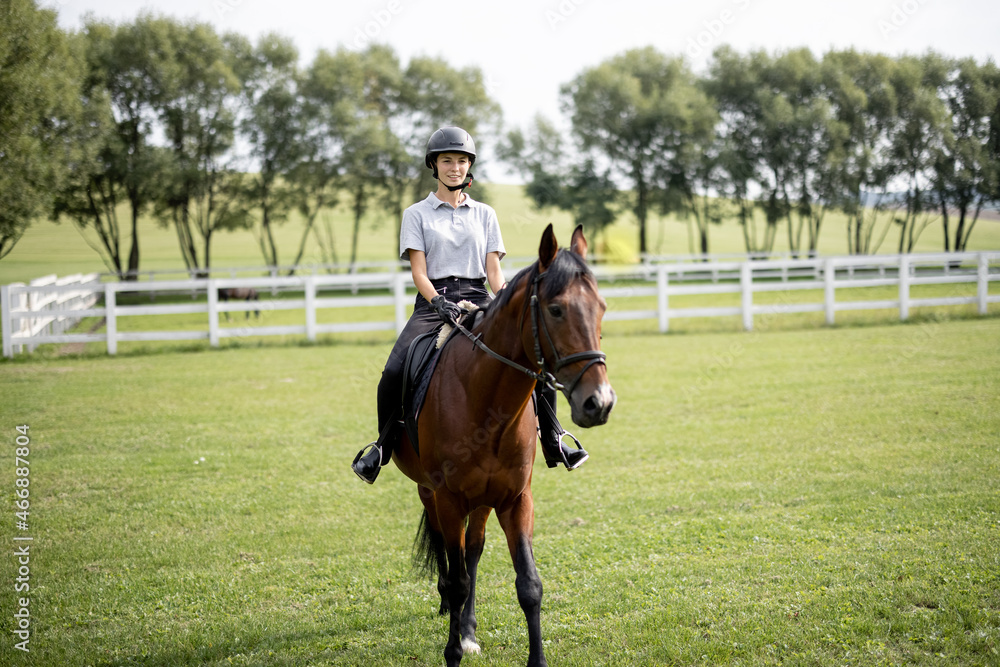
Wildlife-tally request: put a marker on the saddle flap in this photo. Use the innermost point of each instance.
(417, 370)
(421, 359)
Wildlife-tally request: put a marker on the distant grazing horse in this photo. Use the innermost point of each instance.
(477, 429)
(248, 294)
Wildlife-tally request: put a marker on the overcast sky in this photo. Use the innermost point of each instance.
(528, 49)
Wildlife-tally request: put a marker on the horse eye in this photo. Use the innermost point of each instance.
(555, 310)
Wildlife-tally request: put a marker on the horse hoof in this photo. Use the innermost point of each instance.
(470, 647)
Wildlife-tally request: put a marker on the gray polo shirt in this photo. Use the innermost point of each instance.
(455, 240)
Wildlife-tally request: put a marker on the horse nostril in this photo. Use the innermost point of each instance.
(592, 405)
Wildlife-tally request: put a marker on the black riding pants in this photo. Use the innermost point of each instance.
(423, 320)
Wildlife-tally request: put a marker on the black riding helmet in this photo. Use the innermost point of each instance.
(451, 140)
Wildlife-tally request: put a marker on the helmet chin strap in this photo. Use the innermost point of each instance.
(466, 183)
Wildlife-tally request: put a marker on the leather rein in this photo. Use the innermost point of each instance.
(543, 375)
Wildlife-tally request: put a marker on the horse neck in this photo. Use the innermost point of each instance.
(502, 331)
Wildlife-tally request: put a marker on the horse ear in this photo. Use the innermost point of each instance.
(579, 243)
(548, 248)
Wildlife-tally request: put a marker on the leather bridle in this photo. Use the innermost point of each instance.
(543, 375)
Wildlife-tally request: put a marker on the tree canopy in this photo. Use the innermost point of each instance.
(212, 132)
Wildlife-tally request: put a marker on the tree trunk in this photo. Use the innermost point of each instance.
(641, 209)
(208, 246)
(944, 217)
(305, 237)
(960, 226)
(272, 258)
(133, 257)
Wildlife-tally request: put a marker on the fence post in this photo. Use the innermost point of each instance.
(829, 289)
(746, 285)
(5, 322)
(311, 308)
(399, 291)
(662, 282)
(111, 328)
(983, 282)
(213, 313)
(904, 287)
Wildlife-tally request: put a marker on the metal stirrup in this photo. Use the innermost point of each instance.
(364, 450)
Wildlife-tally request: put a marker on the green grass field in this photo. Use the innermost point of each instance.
(800, 495)
(818, 496)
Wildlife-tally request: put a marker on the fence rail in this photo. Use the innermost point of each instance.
(47, 306)
(39, 314)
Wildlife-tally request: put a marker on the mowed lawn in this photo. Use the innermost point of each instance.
(804, 497)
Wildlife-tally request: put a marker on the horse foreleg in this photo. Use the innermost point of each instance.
(451, 517)
(475, 539)
(518, 525)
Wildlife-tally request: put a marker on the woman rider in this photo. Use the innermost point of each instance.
(454, 245)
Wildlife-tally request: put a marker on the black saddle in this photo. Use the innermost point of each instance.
(418, 369)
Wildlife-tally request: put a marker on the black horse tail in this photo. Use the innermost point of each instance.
(429, 556)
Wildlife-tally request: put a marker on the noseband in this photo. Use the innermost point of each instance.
(543, 375)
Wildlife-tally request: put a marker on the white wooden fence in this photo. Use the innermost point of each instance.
(48, 306)
(662, 281)
(828, 274)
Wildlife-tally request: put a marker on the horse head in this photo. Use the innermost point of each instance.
(566, 311)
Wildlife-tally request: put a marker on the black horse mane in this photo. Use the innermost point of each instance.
(565, 268)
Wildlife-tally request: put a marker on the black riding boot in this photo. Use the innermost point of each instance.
(551, 433)
(374, 455)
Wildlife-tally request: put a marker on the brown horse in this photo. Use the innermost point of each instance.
(248, 294)
(477, 429)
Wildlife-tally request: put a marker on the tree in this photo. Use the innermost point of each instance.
(351, 100)
(369, 160)
(778, 130)
(860, 169)
(799, 130)
(134, 64)
(733, 83)
(917, 140)
(327, 111)
(554, 182)
(39, 74)
(129, 73)
(696, 185)
(967, 168)
(635, 111)
(96, 182)
(272, 126)
(200, 193)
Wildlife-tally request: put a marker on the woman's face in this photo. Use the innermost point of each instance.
(452, 167)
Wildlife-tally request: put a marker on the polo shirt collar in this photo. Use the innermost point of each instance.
(435, 202)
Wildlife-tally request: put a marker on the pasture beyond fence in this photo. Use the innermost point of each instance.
(43, 312)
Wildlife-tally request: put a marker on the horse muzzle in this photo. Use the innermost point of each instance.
(592, 408)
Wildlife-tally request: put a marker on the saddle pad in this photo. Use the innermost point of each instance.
(418, 369)
(421, 358)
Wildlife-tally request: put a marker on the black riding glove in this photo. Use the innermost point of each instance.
(446, 310)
